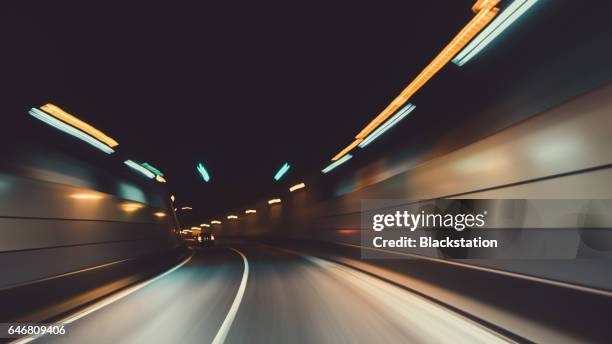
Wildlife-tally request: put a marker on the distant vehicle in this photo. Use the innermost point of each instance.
(205, 239)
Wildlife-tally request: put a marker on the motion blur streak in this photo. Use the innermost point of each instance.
(56, 123)
(497, 26)
(434, 322)
(103, 303)
(77, 123)
(405, 111)
(231, 315)
(336, 163)
(137, 167)
(297, 187)
(282, 171)
(288, 299)
(486, 12)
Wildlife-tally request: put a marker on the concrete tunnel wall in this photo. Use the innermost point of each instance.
(60, 213)
(564, 152)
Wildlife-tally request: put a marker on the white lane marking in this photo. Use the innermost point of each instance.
(229, 319)
(107, 301)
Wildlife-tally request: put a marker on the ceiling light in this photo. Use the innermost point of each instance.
(136, 166)
(388, 124)
(297, 187)
(56, 123)
(337, 163)
(497, 26)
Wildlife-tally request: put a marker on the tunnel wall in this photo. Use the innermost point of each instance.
(564, 152)
(62, 212)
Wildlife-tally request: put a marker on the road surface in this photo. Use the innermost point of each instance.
(262, 294)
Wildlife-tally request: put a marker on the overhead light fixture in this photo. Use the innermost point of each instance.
(485, 12)
(297, 187)
(232, 217)
(159, 214)
(215, 222)
(388, 124)
(62, 115)
(274, 201)
(337, 163)
(250, 211)
(186, 208)
(282, 171)
(347, 149)
(152, 169)
(172, 198)
(203, 172)
(204, 225)
(194, 228)
(56, 123)
(136, 166)
(508, 16)
(160, 179)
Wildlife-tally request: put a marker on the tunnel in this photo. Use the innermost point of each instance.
(415, 172)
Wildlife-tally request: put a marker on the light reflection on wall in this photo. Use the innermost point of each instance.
(86, 196)
(131, 207)
(131, 192)
(159, 214)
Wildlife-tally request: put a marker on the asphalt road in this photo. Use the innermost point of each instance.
(269, 296)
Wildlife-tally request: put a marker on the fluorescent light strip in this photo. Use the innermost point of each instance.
(274, 201)
(136, 166)
(205, 225)
(56, 123)
(347, 149)
(250, 211)
(62, 115)
(152, 169)
(215, 222)
(486, 13)
(203, 172)
(388, 124)
(497, 26)
(281, 172)
(232, 217)
(337, 163)
(297, 187)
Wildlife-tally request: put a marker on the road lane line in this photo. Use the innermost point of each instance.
(107, 301)
(231, 314)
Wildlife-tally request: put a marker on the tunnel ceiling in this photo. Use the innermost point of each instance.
(241, 87)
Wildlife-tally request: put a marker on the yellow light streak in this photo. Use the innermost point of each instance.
(86, 196)
(297, 187)
(347, 149)
(79, 124)
(485, 12)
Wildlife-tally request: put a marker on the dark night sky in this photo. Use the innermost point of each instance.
(242, 87)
